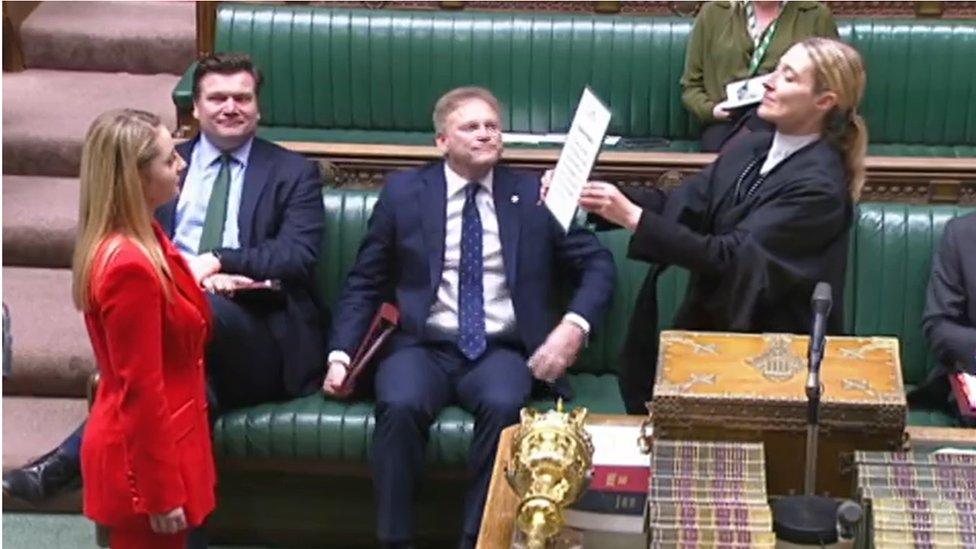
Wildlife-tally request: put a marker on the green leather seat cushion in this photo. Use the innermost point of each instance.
(931, 418)
(316, 428)
(891, 253)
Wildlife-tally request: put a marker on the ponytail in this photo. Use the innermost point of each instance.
(848, 133)
(840, 69)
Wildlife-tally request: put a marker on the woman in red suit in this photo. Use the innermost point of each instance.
(146, 457)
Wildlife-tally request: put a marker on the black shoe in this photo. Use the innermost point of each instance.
(45, 477)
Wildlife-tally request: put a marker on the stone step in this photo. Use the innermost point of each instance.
(46, 114)
(40, 216)
(136, 37)
(31, 428)
(51, 352)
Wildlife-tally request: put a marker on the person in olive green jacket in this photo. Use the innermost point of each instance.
(735, 40)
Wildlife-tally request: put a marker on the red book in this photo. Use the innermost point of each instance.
(620, 478)
(964, 388)
(384, 323)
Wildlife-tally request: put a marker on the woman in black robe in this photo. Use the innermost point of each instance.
(760, 226)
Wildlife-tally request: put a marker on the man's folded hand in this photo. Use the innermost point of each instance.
(334, 378)
(550, 361)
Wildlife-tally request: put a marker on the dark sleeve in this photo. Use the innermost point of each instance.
(292, 253)
(690, 199)
(950, 333)
(581, 254)
(779, 244)
(370, 280)
(648, 198)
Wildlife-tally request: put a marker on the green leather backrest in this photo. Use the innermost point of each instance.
(921, 79)
(892, 258)
(888, 271)
(383, 70)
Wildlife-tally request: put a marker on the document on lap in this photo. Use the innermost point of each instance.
(576, 160)
(271, 284)
(963, 385)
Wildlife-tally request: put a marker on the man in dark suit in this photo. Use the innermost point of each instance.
(248, 210)
(949, 320)
(470, 258)
(267, 202)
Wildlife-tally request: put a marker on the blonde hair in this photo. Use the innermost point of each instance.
(118, 145)
(838, 68)
(450, 101)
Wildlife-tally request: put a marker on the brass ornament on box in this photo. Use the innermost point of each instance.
(549, 468)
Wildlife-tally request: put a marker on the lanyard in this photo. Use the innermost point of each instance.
(763, 40)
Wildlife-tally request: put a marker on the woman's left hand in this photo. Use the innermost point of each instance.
(606, 200)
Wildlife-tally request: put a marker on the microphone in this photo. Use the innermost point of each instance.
(821, 303)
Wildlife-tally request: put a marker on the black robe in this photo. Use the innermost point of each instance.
(754, 261)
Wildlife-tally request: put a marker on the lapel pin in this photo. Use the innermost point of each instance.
(515, 199)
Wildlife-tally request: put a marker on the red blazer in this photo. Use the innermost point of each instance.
(146, 448)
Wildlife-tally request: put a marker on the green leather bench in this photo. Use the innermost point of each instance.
(323, 444)
(887, 275)
(372, 76)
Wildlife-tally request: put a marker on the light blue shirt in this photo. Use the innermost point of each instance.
(191, 210)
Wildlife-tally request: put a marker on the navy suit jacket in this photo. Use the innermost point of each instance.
(280, 230)
(949, 320)
(401, 260)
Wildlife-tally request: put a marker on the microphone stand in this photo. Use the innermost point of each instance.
(810, 519)
(813, 391)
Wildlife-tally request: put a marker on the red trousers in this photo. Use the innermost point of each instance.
(145, 538)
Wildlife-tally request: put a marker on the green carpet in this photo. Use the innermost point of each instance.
(39, 531)
(56, 531)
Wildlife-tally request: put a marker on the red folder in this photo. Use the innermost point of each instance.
(964, 388)
(383, 324)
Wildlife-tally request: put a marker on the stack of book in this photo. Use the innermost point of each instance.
(916, 499)
(610, 513)
(708, 494)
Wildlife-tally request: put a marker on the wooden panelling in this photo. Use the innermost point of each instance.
(14, 14)
(916, 180)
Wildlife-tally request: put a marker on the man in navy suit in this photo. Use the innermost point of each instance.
(247, 210)
(949, 319)
(470, 257)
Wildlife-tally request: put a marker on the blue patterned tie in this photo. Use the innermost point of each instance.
(471, 297)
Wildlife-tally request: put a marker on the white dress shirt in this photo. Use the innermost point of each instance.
(499, 311)
(783, 147)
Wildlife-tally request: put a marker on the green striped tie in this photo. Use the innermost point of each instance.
(213, 224)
